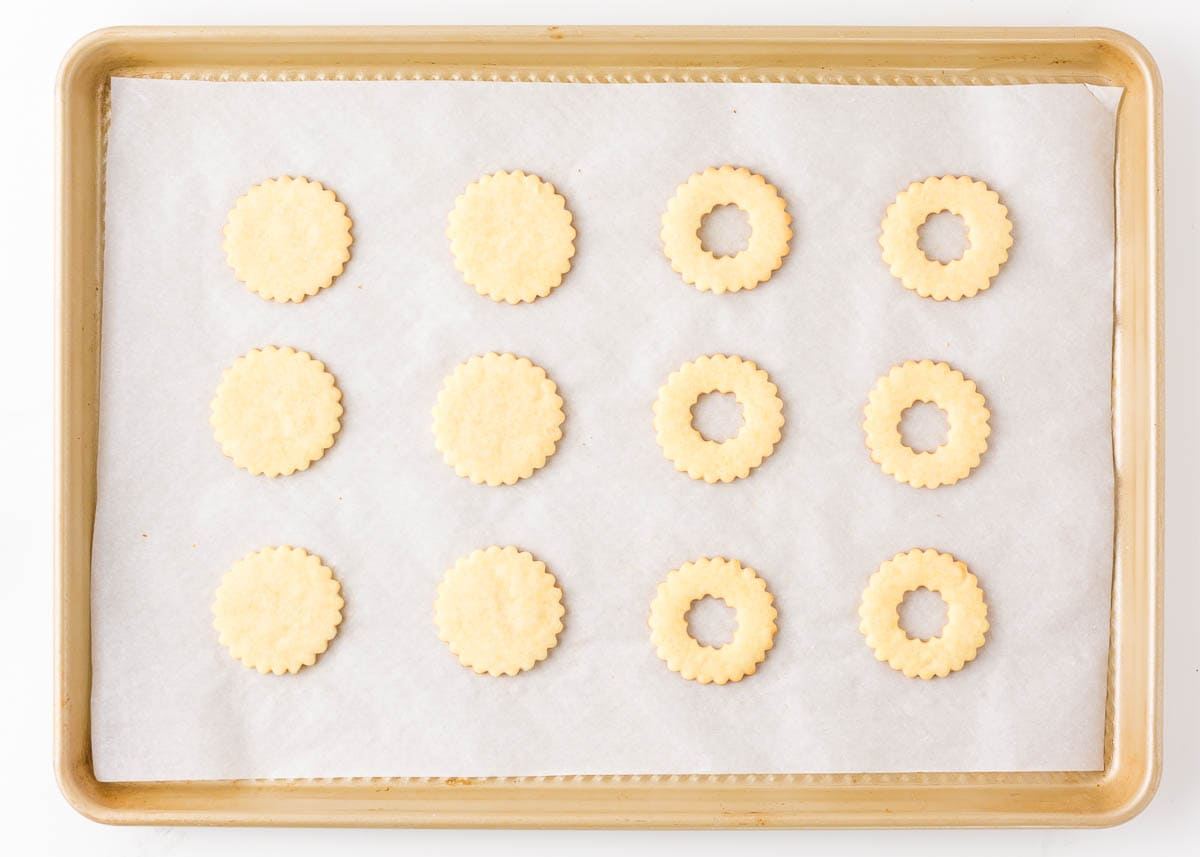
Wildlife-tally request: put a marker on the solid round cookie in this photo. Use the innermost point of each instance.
(770, 230)
(741, 589)
(966, 612)
(276, 411)
(710, 460)
(989, 232)
(511, 236)
(277, 609)
(287, 238)
(497, 419)
(499, 610)
(966, 412)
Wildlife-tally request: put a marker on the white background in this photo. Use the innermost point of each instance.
(33, 817)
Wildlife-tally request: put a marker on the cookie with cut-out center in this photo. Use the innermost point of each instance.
(966, 412)
(770, 230)
(966, 614)
(741, 589)
(989, 232)
(710, 460)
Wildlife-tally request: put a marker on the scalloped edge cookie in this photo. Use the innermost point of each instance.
(497, 419)
(276, 411)
(966, 614)
(966, 411)
(770, 230)
(277, 609)
(287, 238)
(989, 232)
(741, 589)
(710, 460)
(499, 610)
(511, 236)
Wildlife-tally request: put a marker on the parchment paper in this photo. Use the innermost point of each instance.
(609, 515)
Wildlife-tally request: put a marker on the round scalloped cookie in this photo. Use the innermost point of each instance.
(710, 460)
(287, 238)
(497, 419)
(966, 411)
(277, 609)
(276, 411)
(741, 589)
(770, 230)
(499, 610)
(511, 236)
(966, 612)
(989, 232)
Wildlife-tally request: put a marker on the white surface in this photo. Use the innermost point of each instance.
(608, 514)
(35, 818)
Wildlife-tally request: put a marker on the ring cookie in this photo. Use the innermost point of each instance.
(713, 461)
(965, 408)
(966, 612)
(276, 411)
(770, 230)
(287, 238)
(741, 589)
(499, 610)
(497, 419)
(277, 609)
(989, 232)
(511, 236)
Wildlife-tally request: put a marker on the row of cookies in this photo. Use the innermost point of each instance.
(500, 611)
(512, 238)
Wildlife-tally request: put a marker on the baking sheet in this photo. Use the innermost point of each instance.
(609, 515)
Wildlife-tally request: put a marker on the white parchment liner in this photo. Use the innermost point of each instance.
(609, 515)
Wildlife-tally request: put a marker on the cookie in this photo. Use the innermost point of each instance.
(287, 239)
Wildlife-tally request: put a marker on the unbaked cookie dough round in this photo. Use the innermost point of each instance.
(966, 411)
(277, 609)
(499, 610)
(770, 230)
(276, 411)
(497, 419)
(287, 238)
(989, 232)
(738, 587)
(511, 236)
(966, 613)
(710, 460)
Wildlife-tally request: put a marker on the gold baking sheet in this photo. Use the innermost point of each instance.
(876, 57)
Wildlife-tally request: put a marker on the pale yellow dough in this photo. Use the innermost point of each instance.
(287, 238)
(966, 614)
(497, 419)
(499, 610)
(710, 460)
(741, 589)
(770, 230)
(511, 236)
(276, 411)
(966, 412)
(277, 609)
(989, 232)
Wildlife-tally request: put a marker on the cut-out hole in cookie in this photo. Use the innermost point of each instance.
(924, 427)
(725, 231)
(711, 622)
(922, 614)
(943, 237)
(718, 416)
